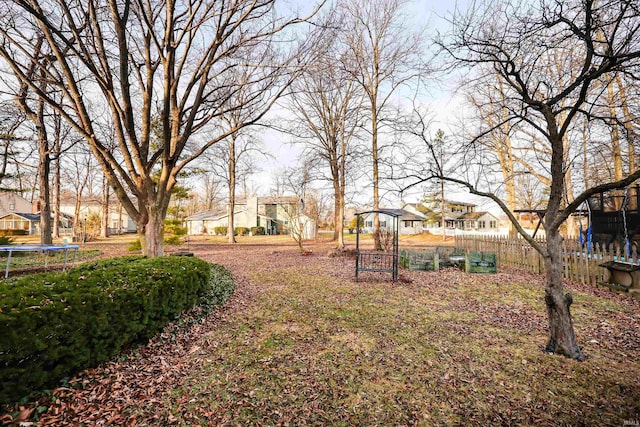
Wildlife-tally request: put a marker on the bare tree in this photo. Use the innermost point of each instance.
(328, 109)
(520, 42)
(134, 62)
(232, 161)
(76, 171)
(11, 119)
(37, 114)
(382, 55)
(299, 214)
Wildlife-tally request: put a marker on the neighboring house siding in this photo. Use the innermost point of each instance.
(21, 221)
(118, 220)
(268, 212)
(409, 222)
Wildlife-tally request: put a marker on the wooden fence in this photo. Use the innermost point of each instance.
(581, 263)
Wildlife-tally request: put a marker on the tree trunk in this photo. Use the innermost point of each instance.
(120, 220)
(616, 152)
(152, 233)
(376, 196)
(45, 202)
(628, 124)
(340, 221)
(338, 197)
(562, 337)
(56, 196)
(231, 234)
(44, 165)
(104, 224)
(56, 178)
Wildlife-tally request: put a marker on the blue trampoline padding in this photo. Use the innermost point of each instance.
(37, 248)
(33, 248)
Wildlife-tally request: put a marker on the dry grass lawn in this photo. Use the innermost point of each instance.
(301, 343)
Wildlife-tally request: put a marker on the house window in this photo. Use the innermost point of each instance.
(481, 224)
(492, 224)
(12, 207)
(408, 223)
(383, 224)
(368, 223)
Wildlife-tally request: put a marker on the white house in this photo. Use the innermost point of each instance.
(409, 222)
(274, 214)
(119, 222)
(458, 216)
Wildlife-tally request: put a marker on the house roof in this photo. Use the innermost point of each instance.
(277, 200)
(211, 214)
(402, 214)
(217, 214)
(27, 216)
(473, 215)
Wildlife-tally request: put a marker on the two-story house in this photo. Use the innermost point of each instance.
(457, 215)
(274, 214)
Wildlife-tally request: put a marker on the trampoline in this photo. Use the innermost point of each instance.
(40, 248)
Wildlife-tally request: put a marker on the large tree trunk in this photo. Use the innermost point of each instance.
(152, 233)
(45, 202)
(56, 196)
(562, 337)
(44, 165)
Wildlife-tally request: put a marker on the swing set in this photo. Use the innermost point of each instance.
(614, 217)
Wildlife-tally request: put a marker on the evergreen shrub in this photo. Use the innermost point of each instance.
(55, 324)
(241, 231)
(135, 246)
(257, 231)
(14, 232)
(220, 230)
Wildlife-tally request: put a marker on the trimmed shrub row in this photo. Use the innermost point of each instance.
(220, 231)
(14, 232)
(53, 325)
(239, 231)
(257, 231)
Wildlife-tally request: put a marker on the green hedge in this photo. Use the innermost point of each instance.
(220, 231)
(241, 231)
(257, 231)
(14, 232)
(53, 325)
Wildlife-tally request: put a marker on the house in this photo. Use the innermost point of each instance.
(477, 221)
(458, 216)
(274, 214)
(17, 213)
(410, 222)
(26, 223)
(119, 222)
(13, 202)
